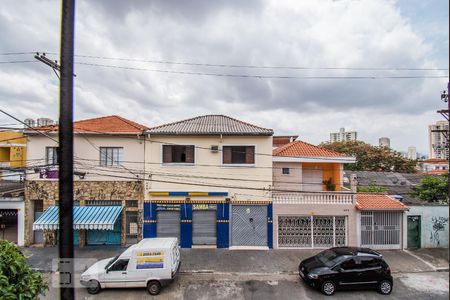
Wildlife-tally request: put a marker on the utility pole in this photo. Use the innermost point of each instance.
(66, 151)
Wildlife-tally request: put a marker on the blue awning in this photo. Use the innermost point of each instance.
(84, 217)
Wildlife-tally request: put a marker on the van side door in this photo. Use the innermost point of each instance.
(116, 275)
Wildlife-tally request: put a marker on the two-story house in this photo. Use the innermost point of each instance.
(108, 182)
(208, 182)
(310, 207)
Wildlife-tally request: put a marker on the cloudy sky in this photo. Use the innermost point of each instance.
(165, 48)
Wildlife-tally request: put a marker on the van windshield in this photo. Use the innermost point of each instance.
(111, 261)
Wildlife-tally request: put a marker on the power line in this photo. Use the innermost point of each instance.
(18, 53)
(17, 61)
(166, 62)
(261, 76)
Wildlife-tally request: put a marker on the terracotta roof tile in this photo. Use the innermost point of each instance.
(108, 124)
(373, 201)
(300, 148)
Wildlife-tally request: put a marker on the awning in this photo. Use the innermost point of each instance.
(84, 217)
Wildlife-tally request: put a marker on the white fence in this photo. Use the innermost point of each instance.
(313, 198)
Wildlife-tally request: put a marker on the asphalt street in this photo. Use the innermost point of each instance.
(236, 286)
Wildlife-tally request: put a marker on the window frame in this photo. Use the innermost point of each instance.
(118, 260)
(239, 164)
(177, 163)
(55, 151)
(288, 171)
(119, 160)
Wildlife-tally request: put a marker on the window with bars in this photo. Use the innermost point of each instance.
(238, 154)
(111, 156)
(178, 154)
(286, 171)
(51, 155)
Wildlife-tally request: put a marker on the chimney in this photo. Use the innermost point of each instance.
(353, 182)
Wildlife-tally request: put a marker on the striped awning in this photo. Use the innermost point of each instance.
(84, 217)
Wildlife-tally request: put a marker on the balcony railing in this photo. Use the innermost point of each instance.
(313, 198)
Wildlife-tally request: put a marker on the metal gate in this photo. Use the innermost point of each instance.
(168, 223)
(105, 237)
(131, 227)
(381, 229)
(311, 231)
(204, 227)
(249, 225)
(414, 232)
(8, 224)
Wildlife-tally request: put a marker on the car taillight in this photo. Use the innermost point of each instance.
(388, 270)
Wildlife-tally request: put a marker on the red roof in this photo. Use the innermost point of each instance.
(299, 148)
(373, 201)
(435, 161)
(434, 172)
(108, 124)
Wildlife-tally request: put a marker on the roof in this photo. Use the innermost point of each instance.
(84, 217)
(434, 172)
(354, 251)
(394, 182)
(300, 148)
(373, 201)
(108, 124)
(210, 125)
(435, 161)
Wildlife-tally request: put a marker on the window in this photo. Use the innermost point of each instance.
(178, 154)
(369, 262)
(238, 154)
(286, 171)
(349, 264)
(111, 156)
(51, 155)
(120, 265)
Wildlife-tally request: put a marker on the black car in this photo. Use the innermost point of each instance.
(347, 268)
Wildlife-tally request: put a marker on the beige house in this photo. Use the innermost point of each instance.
(311, 209)
(208, 182)
(108, 182)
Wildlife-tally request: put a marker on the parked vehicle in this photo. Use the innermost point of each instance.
(151, 263)
(347, 268)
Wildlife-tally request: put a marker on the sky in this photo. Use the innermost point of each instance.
(161, 61)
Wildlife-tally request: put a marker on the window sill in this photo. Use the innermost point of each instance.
(178, 164)
(239, 165)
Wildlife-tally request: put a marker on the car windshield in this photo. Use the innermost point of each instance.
(111, 261)
(328, 257)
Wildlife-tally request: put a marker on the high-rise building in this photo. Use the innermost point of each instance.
(412, 153)
(438, 143)
(29, 123)
(44, 122)
(343, 136)
(384, 142)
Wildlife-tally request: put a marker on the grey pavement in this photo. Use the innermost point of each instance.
(246, 261)
(427, 285)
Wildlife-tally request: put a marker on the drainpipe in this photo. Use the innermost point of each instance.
(353, 186)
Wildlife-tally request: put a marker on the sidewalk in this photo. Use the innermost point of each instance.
(249, 261)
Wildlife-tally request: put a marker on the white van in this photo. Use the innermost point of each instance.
(151, 263)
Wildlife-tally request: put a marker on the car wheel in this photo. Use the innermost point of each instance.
(385, 287)
(153, 287)
(328, 288)
(93, 287)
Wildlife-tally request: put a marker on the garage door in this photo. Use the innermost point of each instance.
(168, 224)
(249, 225)
(204, 227)
(312, 180)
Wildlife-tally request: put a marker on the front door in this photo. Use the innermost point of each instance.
(413, 231)
(249, 225)
(116, 275)
(348, 274)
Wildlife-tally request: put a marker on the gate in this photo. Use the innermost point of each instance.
(204, 224)
(168, 221)
(131, 218)
(414, 232)
(311, 231)
(381, 229)
(105, 237)
(249, 225)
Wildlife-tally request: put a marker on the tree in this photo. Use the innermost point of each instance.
(432, 189)
(372, 158)
(17, 279)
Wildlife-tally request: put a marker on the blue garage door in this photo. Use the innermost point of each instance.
(105, 237)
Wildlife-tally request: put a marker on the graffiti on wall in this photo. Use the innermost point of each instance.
(438, 225)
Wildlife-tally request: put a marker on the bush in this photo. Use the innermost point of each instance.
(17, 279)
(433, 189)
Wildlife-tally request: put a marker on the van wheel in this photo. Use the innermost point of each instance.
(153, 287)
(93, 287)
(385, 287)
(328, 288)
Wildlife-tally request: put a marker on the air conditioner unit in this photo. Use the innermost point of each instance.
(214, 148)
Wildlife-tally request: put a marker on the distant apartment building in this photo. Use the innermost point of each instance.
(412, 153)
(343, 136)
(384, 142)
(438, 143)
